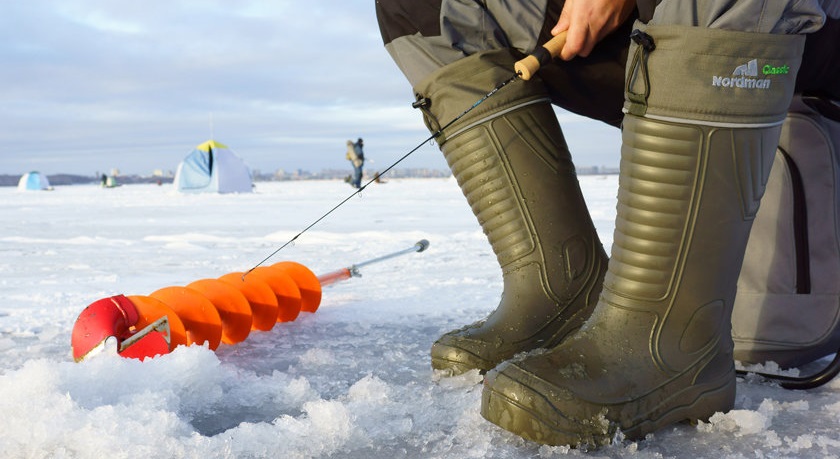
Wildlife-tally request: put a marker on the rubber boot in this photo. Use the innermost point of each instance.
(512, 164)
(657, 349)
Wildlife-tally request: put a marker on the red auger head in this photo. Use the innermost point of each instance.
(118, 317)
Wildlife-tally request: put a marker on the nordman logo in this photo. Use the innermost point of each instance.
(746, 76)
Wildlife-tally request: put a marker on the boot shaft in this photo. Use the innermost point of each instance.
(512, 163)
(697, 149)
(687, 199)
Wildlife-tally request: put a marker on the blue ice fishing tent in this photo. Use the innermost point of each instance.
(33, 181)
(213, 168)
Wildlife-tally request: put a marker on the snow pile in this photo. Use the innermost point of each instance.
(351, 380)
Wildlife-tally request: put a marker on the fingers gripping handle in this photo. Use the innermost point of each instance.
(528, 66)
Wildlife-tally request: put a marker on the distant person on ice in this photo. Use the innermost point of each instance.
(356, 156)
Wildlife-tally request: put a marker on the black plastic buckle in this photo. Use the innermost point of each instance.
(422, 102)
(642, 39)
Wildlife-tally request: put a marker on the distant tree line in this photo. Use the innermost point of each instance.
(71, 179)
(280, 175)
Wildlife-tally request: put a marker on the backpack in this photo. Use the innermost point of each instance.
(353, 156)
(787, 307)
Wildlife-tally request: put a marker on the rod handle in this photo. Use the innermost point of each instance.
(527, 67)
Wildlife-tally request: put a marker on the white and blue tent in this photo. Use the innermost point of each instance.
(33, 181)
(213, 168)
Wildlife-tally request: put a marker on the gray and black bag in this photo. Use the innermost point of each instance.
(787, 308)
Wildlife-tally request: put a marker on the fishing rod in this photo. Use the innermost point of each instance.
(524, 69)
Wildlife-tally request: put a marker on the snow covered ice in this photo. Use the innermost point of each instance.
(352, 380)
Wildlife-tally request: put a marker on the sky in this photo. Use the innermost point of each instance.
(89, 86)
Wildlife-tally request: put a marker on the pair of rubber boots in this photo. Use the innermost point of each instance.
(643, 340)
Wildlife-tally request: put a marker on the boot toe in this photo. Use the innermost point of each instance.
(459, 355)
(523, 403)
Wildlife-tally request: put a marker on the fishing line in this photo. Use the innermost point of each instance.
(434, 135)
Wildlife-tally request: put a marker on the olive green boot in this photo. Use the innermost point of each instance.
(512, 164)
(657, 349)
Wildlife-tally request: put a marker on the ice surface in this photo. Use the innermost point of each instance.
(351, 380)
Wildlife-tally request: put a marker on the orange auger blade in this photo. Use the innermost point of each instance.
(307, 282)
(215, 311)
(151, 309)
(200, 317)
(233, 308)
(262, 299)
(284, 287)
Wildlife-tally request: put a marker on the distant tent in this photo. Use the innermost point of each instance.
(33, 181)
(110, 182)
(212, 168)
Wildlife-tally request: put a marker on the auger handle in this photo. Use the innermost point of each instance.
(527, 67)
(420, 246)
(335, 276)
(353, 270)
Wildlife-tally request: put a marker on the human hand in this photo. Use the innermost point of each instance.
(587, 22)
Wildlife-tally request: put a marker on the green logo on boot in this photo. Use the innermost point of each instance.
(746, 76)
(770, 70)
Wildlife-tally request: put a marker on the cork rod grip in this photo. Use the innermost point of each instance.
(528, 66)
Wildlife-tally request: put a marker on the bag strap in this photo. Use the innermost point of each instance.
(802, 382)
(823, 104)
